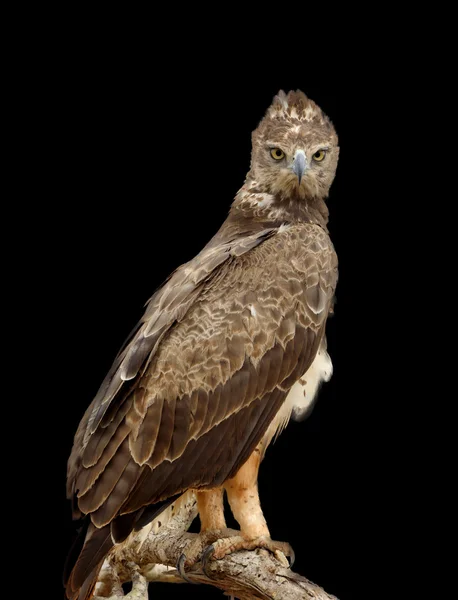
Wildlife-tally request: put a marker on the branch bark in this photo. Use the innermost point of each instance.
(152, 553)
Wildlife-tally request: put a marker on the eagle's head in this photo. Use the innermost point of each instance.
(295, 150)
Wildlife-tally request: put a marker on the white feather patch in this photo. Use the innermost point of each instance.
(300, 399)
(303, 393)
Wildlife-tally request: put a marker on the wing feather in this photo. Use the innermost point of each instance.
(89, 475)
(143, 443)
(98, 444)
(107, 511)
(98, 493)
(181, 427)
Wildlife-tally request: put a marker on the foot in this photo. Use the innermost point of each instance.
(222, 547)
(214, 545)
(197, 548)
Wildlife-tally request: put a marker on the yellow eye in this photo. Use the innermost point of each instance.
(277, 153)
(319, 155)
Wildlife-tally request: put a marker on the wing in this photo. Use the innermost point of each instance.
(205, 395)
(166, 307)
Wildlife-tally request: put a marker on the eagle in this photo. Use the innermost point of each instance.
(230, 348)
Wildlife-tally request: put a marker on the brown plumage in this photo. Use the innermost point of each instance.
(200, 382)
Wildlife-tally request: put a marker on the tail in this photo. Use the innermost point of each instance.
(92, 545)
(85, 560)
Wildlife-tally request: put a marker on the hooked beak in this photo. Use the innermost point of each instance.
(299, 164)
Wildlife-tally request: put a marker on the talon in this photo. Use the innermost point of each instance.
(206, 556)
(180, 568)
(292, 557)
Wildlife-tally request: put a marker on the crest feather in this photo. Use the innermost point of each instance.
(294, 106)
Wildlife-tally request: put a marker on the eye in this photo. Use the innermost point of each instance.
(319, 155)
(277, 153)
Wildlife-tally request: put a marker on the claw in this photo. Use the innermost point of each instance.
(206, 556)
(180, 568)
(287, 551)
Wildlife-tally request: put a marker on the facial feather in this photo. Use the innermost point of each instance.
(293, 123)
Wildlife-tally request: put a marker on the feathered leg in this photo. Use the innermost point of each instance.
(215, 540)
(213, 526)
(211, 510)
(243, 496)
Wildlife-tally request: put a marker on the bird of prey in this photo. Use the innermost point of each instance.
(228, 350)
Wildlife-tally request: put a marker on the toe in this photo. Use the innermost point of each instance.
(281, 550)
(281, 558)
(287, 550)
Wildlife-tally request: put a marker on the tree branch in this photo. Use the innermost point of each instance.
(152, 553)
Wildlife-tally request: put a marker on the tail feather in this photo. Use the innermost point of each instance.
(83, 575)
(75, 551)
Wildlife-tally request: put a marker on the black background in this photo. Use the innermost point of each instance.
(140, 163)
